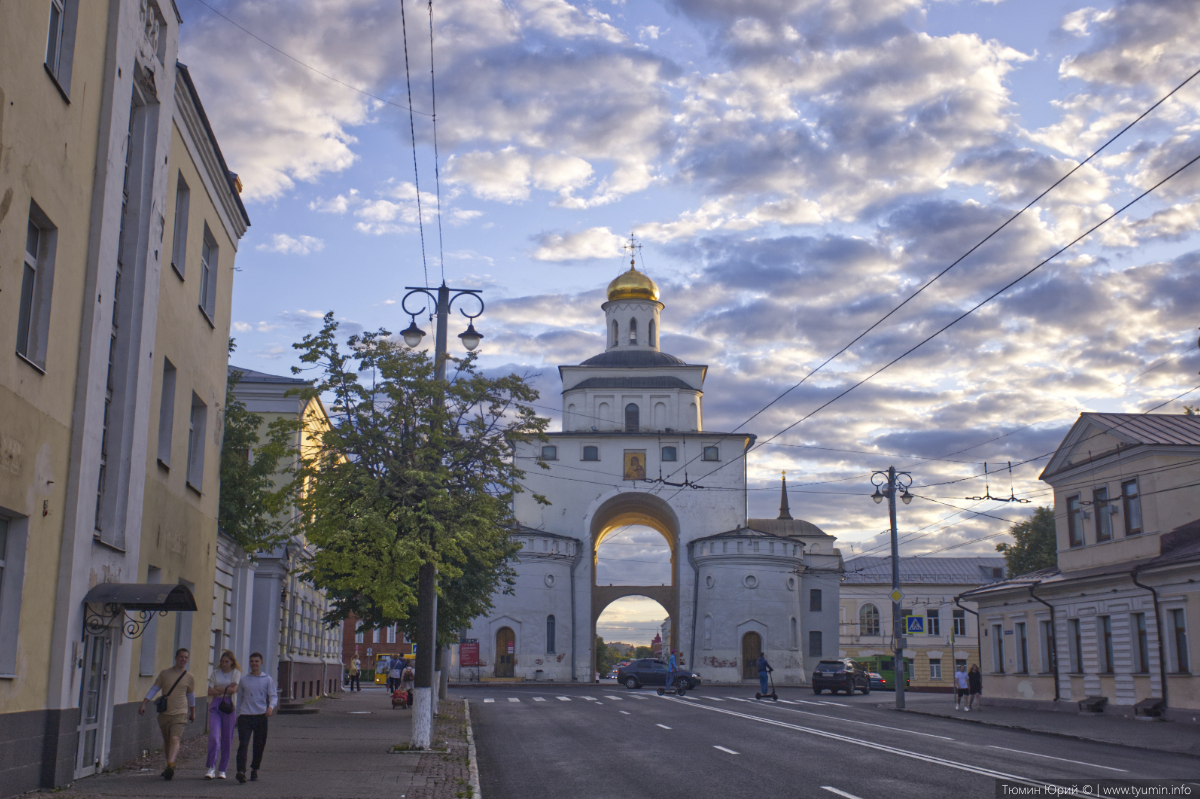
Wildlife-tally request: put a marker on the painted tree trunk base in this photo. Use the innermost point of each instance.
(422, 718)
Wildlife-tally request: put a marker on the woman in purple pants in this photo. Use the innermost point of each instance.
(222, 685)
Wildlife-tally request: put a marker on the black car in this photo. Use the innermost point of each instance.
(841, 675)
(651, 671)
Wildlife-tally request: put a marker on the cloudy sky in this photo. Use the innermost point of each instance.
(794, 168)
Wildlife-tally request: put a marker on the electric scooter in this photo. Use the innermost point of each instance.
(678, 689)
(772, 696)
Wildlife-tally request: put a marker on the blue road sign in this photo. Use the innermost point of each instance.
(916, 625)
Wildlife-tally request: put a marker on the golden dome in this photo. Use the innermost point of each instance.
(632, 285)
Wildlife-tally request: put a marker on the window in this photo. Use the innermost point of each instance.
(1049, 647)
(60, 42)
(166, 413)
(1131, 502)
(391, 634)
(1106, 651)
(935, 668)
(997, 648)
(591, 453)
(1179, 639)
(148, 660)
(868, 620)
(795, 632)
(633, 331)
(358, 634)
(550, 648)
(1138, 622)
(1074, 522)
(1075, 641)
(37, 284)
(814, 600)
(549, 453)
(375, 636)
(632, 418)
(933, 622)
(208, 276)
(616, 335)
(814, 644)
(959, 622)
(668, 453)
(179, 244)
(1022, 648)
(652, 335)
(712, 454)
(197, 426)
(12, 575)
(1103, 517)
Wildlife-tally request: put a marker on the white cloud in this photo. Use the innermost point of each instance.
(502, 176)
(597, 242)
(336, 205)
(241, 327)
(648, 32)
(300, 245)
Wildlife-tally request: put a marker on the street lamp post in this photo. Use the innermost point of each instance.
(427, 576)
(895, 480)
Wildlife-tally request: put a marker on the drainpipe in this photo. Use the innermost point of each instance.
(978, 634)
(574, 563)
(1162, 655)
(695, 604)
(1053, 637)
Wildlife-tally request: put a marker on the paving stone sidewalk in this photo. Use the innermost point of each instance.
(342, 752)
(1156, 735)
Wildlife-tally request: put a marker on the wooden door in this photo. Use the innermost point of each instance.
(751, 649)
(505, 652)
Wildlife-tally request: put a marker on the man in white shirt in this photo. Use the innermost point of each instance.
(256, 702)
(960, 687)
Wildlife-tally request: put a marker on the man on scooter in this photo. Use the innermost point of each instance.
(764, 668)
(671, 671)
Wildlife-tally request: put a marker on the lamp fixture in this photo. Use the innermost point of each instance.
(470, 337)
(413, 334)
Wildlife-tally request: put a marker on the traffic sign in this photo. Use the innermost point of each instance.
(915, 625)
(896, 595)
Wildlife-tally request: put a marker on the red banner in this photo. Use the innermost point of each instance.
(468, 652)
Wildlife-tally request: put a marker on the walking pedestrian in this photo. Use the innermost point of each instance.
(395, 670)
(408, 679)
(256, 701)
(764, 669)
(355, 670)
(975, 682)
(961, 686)
(176, 708)
(222, 714)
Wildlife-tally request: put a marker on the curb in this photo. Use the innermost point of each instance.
(1071, 736)
(476, 793)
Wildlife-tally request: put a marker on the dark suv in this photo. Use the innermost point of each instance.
(841, 675)
(651, 671)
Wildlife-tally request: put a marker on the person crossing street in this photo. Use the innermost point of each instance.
(764, 670)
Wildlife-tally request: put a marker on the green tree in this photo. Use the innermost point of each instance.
(643, 652)
(411, 470)
(605, 658)
(254, 489)
(1036, 546)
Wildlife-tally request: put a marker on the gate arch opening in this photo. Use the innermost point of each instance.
(633, 620)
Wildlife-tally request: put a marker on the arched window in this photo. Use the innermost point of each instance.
(650, 336)
(633, 331)
(616, 334)
(632, 418)
(868, 620)
(550, 635)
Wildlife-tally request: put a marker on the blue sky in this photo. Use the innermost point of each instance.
(794, 169)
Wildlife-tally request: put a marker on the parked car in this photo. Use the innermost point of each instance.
(840, 675)
(651, 671)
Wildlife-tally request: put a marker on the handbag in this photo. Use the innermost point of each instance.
(161, 704)
(225, 706)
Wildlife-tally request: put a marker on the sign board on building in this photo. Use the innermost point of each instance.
(511, 647)
(915, 625)
(468, 652)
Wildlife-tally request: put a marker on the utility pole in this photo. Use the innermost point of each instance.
(894, 480)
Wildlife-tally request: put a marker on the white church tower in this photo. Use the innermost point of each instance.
(633, 450)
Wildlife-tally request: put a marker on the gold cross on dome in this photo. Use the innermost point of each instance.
(632, 247)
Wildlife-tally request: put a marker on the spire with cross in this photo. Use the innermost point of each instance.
(632, 247)
(784, 511)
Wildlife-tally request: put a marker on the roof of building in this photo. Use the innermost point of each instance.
(937, 571)
(786, 528)
(230, 177)
(633, 358)
(632, 285)
(631, 382)
(251, 376)
(743, 532)
(1150, 428)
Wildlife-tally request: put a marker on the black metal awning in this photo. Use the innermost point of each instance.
(142, 596)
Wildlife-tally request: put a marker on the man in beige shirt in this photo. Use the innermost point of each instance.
(179, 688)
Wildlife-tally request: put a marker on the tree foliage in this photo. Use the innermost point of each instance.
(1036, 546)
(644, 652)
(254, 488)
(605, 657)
(411, 470)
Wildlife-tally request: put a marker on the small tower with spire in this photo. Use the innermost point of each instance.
(784, 511)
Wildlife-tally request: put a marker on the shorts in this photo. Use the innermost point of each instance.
(961, 693)
(172, 724)
(977, 693)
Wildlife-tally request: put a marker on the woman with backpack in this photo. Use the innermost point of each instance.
(222, 713)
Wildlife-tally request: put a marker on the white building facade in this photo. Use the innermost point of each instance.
(634, 451)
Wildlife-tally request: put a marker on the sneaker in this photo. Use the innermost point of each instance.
(168, 772)
(253, 773)
(220, 775)
(241, 776)
(208, 775)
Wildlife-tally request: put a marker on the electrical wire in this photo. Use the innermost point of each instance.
(413, 131)
(437, 178)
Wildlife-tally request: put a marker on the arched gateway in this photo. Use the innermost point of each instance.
(735, 581)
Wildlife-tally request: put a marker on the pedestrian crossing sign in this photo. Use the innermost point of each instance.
(916, 624)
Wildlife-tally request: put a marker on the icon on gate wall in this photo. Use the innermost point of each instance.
(635, 466)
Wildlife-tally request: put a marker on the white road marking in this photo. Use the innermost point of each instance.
(723, 749)
(513, 699)
(713, 698)
(866, 724)
(877, 746)
(590, 698)
(538, 699)
(562, 699)
(664, 726)
(798, 702)
(624, 712)
(839, 793)
(488, 701)
(833, 704)
(360, 712)
(1063, 759)
(613, 698)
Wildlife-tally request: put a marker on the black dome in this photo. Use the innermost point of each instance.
(633, 358)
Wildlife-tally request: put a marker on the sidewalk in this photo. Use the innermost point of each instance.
(339, 753)
(1158, 736)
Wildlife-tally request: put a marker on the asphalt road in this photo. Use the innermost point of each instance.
(606, 741)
